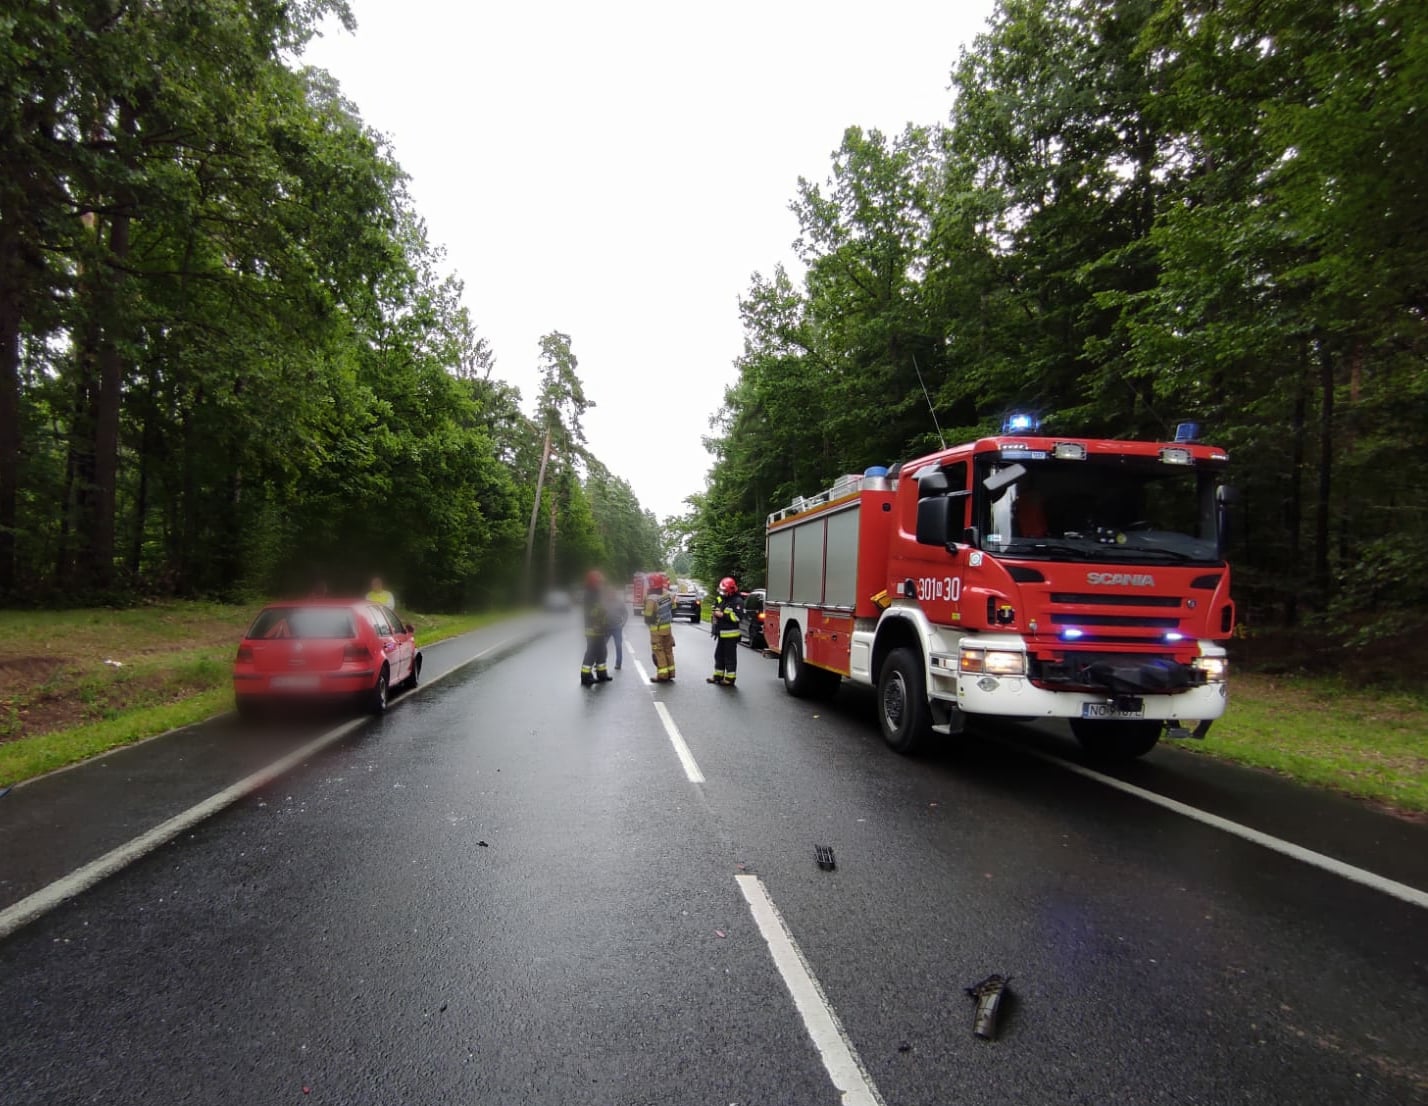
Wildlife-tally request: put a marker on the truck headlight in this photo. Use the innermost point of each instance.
(994, 662)
(1215, 668)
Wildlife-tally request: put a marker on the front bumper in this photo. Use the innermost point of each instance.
(325, 685)
(1020, 697)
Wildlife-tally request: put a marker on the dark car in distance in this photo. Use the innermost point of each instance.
(688, 603)
(751, 626)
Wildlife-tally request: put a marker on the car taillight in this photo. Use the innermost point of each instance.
(245, 655)
(761, 616)
(358, 652)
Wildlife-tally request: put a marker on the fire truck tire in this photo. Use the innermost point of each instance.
(903, 713)
(802, 680)
(1109, 742)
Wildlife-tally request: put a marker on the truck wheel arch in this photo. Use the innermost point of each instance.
(895, 633)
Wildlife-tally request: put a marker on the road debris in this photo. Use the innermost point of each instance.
(720, 933)
(904, 1047)
(988, 994)
(482, 844)
(824, 856)
(113, 663)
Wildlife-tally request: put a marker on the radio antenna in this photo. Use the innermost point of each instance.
(927, 397)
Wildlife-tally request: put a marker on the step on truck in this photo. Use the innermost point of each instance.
(1019, 576)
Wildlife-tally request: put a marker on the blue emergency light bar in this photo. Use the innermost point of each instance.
(1019, 422)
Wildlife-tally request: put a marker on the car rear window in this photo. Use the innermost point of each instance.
(303, 622)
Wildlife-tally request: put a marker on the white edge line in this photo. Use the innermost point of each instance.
(41, 902)
(644, 676)
(686, 758)
(840, 1058)
(1339, 868)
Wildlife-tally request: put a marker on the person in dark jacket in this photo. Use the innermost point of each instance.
(597, 631)
(724, 627)
(617, 615)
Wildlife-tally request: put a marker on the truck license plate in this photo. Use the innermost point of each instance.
(297, 683)
(1110, 711)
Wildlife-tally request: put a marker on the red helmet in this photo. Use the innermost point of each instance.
(727, 586)
(658, 580)
(594, 578)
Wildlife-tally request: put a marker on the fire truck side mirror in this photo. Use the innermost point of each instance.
(932, 483)
(1225, 494)
(934, 519)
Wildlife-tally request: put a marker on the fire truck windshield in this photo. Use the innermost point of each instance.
(1114, 509)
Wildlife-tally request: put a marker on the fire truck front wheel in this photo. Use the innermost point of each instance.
(1109, 742)
(903, 713)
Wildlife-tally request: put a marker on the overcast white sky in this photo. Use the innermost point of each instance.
(618, 171)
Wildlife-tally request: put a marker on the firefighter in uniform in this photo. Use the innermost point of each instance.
(659, 617)
(597, 631)
(724, 626)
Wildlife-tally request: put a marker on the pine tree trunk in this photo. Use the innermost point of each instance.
(106, 433)
(1326, 470)
(9, 434)
(1295, 514)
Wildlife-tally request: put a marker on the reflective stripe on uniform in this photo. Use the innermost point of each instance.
(728, 633)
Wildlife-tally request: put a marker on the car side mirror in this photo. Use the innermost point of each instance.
(1226, 494)
(410, 628)
(934, 520)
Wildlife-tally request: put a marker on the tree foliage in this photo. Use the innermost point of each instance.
(1139, 211)
(230, 359)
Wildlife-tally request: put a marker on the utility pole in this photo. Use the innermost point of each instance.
(535, 514)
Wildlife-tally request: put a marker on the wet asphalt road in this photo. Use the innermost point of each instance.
(507, 891)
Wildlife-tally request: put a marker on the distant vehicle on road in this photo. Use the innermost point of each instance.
(557, 601)
(687, 602)
(751, 626)
(639, 583)
(325, 650)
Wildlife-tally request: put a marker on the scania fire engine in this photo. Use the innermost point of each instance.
(1021, 575)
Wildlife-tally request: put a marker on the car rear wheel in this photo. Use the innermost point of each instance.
(1112, 742)
(377, 697)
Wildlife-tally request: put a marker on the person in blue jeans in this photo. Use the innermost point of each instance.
(617, 613)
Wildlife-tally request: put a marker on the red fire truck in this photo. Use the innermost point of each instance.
(1021, 575)
(638, 584)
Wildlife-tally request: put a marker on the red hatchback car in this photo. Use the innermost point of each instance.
(325, 649)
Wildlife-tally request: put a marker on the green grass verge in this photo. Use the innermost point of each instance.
(33, 756)
(173, 674)
(1370, 744)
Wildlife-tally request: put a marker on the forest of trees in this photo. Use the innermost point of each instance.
(229, 358)
(1140, 211)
